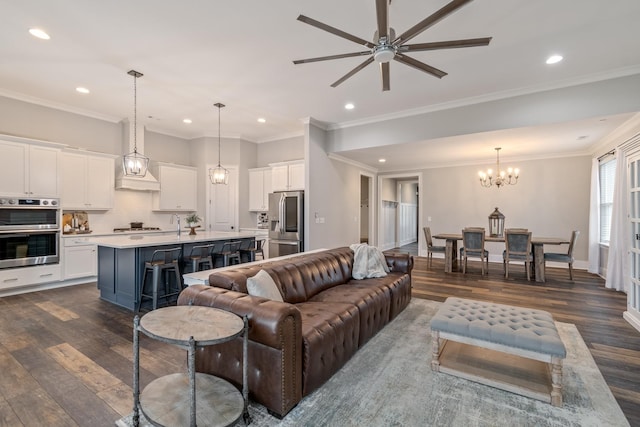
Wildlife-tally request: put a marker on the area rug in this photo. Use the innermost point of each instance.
(389, 382)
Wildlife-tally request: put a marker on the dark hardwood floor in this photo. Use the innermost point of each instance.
(66, 356)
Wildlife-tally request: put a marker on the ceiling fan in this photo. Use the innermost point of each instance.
(386, 46)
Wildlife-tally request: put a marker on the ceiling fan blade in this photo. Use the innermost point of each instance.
(451, 44)
(352, 72)
(382, 14)
(335, 31)
(384, 70)
(419, 65)
(326, 58)
(429, 21)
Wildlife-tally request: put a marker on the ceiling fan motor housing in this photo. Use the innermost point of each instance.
(384, 50)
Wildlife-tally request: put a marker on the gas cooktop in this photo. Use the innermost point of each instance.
(122, 230)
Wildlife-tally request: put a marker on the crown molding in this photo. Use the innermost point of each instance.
(494, 96)
(351, 162)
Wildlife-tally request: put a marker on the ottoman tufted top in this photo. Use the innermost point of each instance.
(516, 327)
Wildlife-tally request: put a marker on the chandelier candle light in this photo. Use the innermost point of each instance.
(508, 177)
(219, 175)
(135, 164)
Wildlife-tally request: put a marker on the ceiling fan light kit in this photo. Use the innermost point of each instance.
(387, 47)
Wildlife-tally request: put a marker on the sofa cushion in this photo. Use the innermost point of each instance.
(262, 285)
(330, 335)
(371, 299)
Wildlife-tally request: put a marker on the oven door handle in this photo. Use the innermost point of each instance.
(25, 233)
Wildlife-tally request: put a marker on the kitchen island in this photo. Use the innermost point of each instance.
(121, 259)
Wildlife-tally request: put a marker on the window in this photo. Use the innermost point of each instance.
(607, 178)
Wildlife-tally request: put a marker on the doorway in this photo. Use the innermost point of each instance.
(399, 206)
(222, 206)
(367, 222)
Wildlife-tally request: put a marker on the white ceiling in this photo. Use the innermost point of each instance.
(196, 53)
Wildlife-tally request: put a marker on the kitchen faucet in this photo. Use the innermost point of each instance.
(177, 221)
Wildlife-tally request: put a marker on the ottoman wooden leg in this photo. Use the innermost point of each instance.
(556, 381)
(435, 351)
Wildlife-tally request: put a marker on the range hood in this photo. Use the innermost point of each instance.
(146, 183)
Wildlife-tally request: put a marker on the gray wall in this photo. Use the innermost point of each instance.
(280, 151)
(333, 192)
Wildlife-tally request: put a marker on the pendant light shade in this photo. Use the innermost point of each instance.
(219, 175)
(135, 164)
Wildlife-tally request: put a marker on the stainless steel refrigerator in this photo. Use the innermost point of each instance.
(286, 223)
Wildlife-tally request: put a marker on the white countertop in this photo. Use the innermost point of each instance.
(202, 277)
(126, 241)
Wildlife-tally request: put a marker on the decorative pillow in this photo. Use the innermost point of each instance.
(262, 285)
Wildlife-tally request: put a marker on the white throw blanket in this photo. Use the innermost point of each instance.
(368, 262)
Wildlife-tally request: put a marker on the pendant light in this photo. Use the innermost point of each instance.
(135, 164)
(219, 175)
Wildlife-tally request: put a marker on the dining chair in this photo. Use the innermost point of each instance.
(473, 245)
(517, 248)
(430, 247)
(561, 257)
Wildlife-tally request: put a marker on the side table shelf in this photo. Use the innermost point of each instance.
(190, 398)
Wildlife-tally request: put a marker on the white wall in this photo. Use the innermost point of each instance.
(551, 199)
(333, 192)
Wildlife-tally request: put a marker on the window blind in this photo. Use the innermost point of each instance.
(607, 180)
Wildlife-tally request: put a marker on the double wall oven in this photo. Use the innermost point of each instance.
(29, 232)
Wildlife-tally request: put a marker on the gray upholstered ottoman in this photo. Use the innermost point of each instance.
(512, 348)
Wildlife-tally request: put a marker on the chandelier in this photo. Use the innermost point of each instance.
(135, 164)
(219, 175)
(508, 177)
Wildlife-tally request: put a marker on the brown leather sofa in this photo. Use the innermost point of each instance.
(297, 345)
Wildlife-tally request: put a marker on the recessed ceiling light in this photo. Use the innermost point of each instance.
(554, 59)
(82, 89)
(36, 32)
(349, 106)
(187, 121)
(382, 160)
(262, 120)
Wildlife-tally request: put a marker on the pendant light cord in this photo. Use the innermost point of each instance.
(135, 114)
(219, 107)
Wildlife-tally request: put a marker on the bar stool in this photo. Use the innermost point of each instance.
(230, 252)
(163, 262)
(252, 250)
(199, 257)
(260, 247)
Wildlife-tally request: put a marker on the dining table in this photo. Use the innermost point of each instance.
(537, 243)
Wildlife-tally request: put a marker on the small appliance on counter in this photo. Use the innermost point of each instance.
(76, 222)
(263, 220)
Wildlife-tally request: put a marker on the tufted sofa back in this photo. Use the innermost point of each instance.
(298, 279)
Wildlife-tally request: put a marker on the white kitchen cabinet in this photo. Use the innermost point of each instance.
(28, 170)
(178, 187)
(259, 188)
(80, 258)
(87, 181)
(287, 176)
(27, 276)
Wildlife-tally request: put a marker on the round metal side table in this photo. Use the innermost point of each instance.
(193, 398)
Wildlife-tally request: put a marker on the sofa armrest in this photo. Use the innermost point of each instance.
(399, 262)
(271, 323)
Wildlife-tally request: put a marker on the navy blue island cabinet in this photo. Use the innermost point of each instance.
(121, 260)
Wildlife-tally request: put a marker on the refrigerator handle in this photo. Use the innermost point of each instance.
(281, 213)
